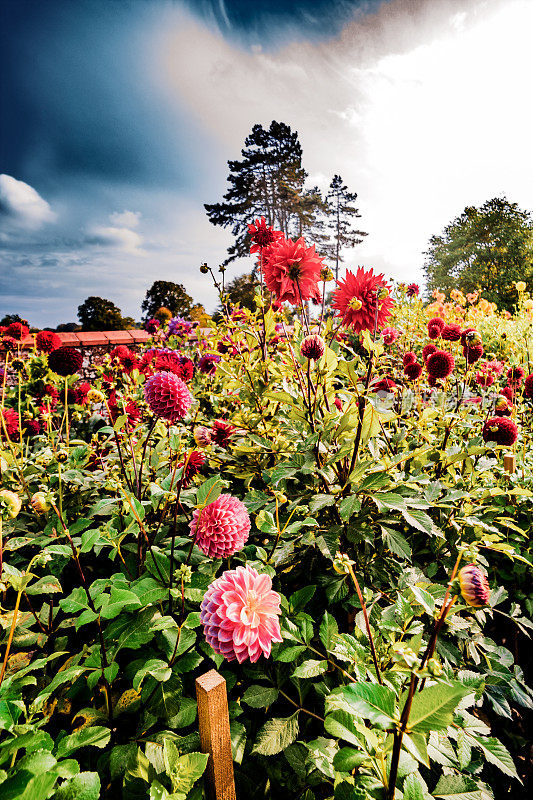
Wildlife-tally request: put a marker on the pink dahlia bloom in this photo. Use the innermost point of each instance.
(291, 269)
(168, 396)
(221, 528)
(474, 585)
(390, 335)
(239, 614)
(355, 300)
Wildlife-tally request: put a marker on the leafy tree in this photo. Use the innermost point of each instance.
(341, 214)
(242, 290)
(99, 314)
(170, 295)
(9, 318)
(68, 327)
(484, 249)
(268, 181)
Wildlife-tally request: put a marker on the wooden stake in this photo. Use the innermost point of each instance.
(509, 462)
(215, 736)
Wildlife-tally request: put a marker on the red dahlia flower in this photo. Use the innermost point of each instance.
(262, 235)
(222, 432)
(221, 528)
(167, 396)
(451, 332)
(435, 327)
(528, 387)
(428, 350)
(292, 271)
(120, 351)
(386, 384)
(239, 614)
(475, 589)
(516, 374)
(171, 361)
(11, 423)
(413, 370)
(389, 335)
(508, 392)
(501, 430)
(440, 364)
(473, 354)
(413, 290)
(65, 361)
(32, 427)
(17, 330)
(193, 464)
(409, 358)
(355, 300)
(46, 341)
(313, 347)
(208, 363)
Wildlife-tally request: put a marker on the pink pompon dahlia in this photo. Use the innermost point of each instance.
(239, 614)
(262, 235)
(46, 341)
(435, 327)
(475, 589)
(355, 300)
(292, 271)
(501, 430)
(222, 527)
(440, 364)
(168, 396)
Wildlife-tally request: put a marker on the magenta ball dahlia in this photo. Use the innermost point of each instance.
(413, 370)
(475, 589)
(221, 528)
(65, 360)
(501, 430)
(239, 614)
(440, 364)
(168, 396)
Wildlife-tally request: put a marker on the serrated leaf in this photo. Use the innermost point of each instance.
(49, 584)
(347, 759)
(310, 669)
(432, 708)
(495, 753)
(371, 701)
(456, 787)
(412, 788)
(276, 735)
(85, 785)
(209, 491)
(328, 630)
(260, 696)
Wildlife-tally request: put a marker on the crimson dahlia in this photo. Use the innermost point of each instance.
(355, 300)
(292, 271)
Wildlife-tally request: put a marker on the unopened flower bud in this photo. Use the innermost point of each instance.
(475, 589)
(62, 456)
(184, 573)
(11, 502)
(313, 347)
(202, 436)
(326, 274)
(434, 667)
(204, 269)
(94, 396)
(17, 364)
(341, 563)
(383, 293)
(473, 339)
(39, 503)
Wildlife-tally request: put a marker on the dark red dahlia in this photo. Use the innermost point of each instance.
(451, 332)
(516, 374)
(356, 297)
(440, 364)
(313, 347)
(65, 361)
(129, 362)
(8, 343)
(128, 407)
(78, 394)
(501, 430)
(473, 354)
(413, 290)
(262, 235)
(152, 326)
(193, 465)
(120, 351)
(433, 382)
(208, 363)
(413, 370)
(11, 422)
(32, 427)
(46, 341)
(222, 432)
(409, 358)
(508, 392)
(428, 350)
(171, 361)
(471, 338)
(528, 387)
(17, 330)
(435, 327)
(386, 384)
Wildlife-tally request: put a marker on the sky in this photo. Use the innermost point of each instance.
(118, 118)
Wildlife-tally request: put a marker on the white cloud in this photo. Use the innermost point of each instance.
(22, 206)
(125, 219)
(119, 235)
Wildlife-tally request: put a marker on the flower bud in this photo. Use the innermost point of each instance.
(202, 436)
(11, 502)
(434, 667)
(520, 286)
(39, 503)
(94, 396)
(355, 304)
(17, 364)
(475, 589)
(341, 563)
(204, 269)
(62, 456)
(326, 274)
(313, 347)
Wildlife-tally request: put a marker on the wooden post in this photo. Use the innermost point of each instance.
(509, 462)
(215, 736)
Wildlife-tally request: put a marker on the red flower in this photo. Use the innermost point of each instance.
(193, 464)
(17, 330)
(11, 420)
(409, 358)
(292, 270)
(338, 403)
(484, 379)
(386, 384)
(65, 361)
(46, 341)
(208, 364)
(516, 374)
(435, 327)
(528, 387)
(413, 370)
(471, 338)
(167, 396)
(222, 432)
(389, 335)
(313, 347)
(473, 354)
(508, 392)
(428, 350)
(32, 427)
(262, 235)
(474, 585)
(451, 333)
(152, 325)
(8, 343)
(170, 361)
(501, 430)
(355, 300)
(120, 351)
(502, 407)
(440, 364)
(413, 290)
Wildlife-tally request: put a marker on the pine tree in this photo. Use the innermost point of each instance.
(267, 182)
(341, 212)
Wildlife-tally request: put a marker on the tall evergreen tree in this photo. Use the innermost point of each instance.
(267, 182)
(341, 213)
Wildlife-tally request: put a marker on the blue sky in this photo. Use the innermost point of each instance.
(118, 117)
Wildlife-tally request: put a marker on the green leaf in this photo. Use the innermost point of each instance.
(396, 543)
(372, 701)
(328, 630)
(288, 654)
(260, 696)
(85, 786)
(412, 788)
(187, 770)
(209, 491)
(97, 736)
(48, 584)
(238, 740)
(119, 600)
(298, 599)
(432, 708)
(418, 519)
(349, 506)
(347, 759)
(456, 787)
(276, 735)
(341, 725)
(310, 669)
(156, 668)
(495, 753)
(321, 501)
